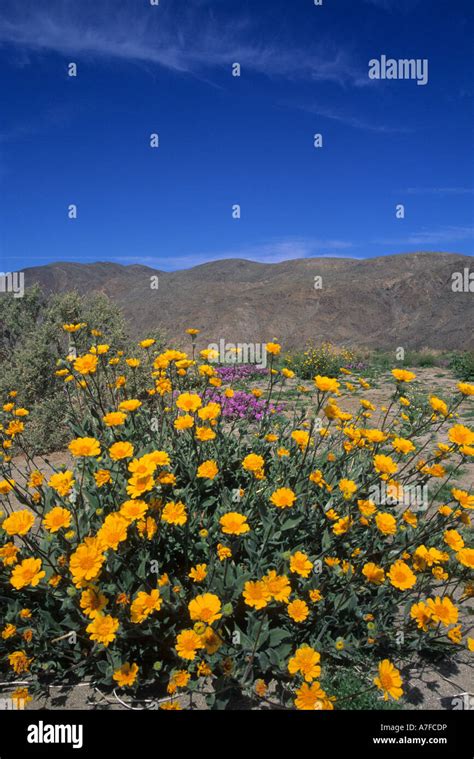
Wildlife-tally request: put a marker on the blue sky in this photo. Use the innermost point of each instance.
(226, 140)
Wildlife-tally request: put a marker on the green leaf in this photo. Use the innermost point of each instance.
(277, 636)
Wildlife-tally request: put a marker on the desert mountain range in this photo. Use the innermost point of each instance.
(402, 300)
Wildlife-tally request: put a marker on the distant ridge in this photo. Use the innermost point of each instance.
(401, 300)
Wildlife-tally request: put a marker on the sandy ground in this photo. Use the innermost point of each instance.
(429, 687)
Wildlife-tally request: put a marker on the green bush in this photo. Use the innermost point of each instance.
(32, 339)
(462, 364)
(48, 430)
(382, 361)
(425, 358)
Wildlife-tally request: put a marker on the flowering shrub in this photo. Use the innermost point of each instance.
(253, 559)
(326, 360)
(240, 372)
(241, 405)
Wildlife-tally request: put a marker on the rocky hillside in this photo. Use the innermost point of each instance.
(402, 300)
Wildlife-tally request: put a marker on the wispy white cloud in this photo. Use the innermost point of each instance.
(354, 121)
(180, 38)
(440, 191)
(432, 237)
(54, 117)
(270, 252)
(284, 250)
